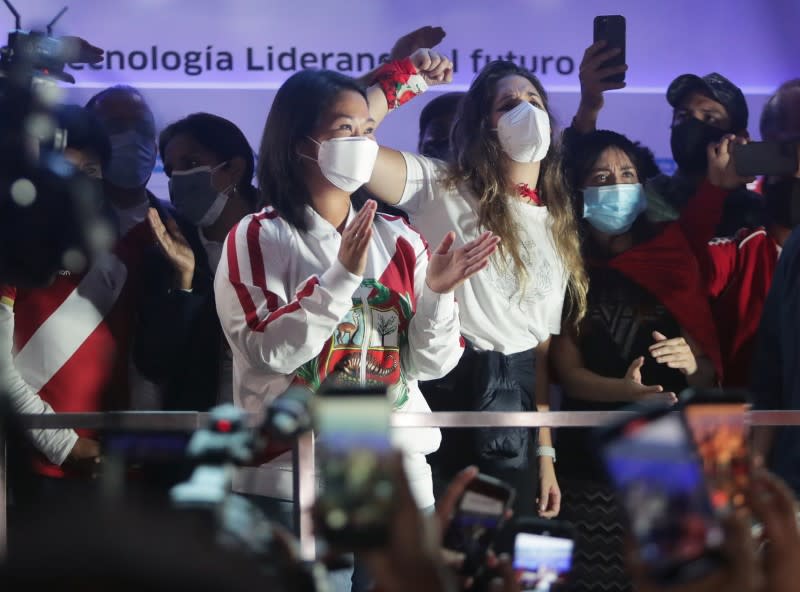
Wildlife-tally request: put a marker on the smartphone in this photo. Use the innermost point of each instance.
(353, 430)
(480, 514)
(651, 461)
(543, 551)
(611, 29)
(776, 159)
(719, 426)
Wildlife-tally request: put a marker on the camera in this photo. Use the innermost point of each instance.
(52, 217)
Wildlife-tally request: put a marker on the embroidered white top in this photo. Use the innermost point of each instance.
(497, 314)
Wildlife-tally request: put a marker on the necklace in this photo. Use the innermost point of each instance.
(524, 190)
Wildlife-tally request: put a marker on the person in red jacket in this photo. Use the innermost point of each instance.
(741, 267)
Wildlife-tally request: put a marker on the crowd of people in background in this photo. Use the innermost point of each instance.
(507, 261)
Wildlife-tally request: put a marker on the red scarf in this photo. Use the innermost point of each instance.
(532, 195)
(666, 267)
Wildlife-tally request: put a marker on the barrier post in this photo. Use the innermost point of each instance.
(303, 475)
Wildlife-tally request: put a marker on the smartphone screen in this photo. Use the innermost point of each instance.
(661, 487)
(479, 516)
(542, 561)
(355, 505)
(720, 434)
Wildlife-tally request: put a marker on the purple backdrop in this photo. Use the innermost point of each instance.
(229, 57)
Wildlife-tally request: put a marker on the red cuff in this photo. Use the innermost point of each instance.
(393, 78)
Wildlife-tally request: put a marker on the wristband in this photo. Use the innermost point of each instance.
(546, 451)
(400, 82)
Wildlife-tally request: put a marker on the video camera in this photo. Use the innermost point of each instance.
(225, 442)
(51, 216)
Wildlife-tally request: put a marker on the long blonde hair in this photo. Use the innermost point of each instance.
(479, 164)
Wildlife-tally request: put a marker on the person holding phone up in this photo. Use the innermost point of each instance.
(503, 176)
(317, 284)
(705, 109)
(743, 265)
(737, 264)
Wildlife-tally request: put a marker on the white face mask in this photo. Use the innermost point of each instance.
(524, 133)
(347, 162)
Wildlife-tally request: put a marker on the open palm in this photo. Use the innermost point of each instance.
(448, 268)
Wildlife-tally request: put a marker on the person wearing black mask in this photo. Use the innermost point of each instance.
(742, 266)
(705, 109)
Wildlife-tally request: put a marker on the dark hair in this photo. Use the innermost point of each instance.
(222, 138)
(479, 163)
(117, 88)
(774, 114)
(91, 104)
(582, 151)
(297, 109)
(441, 106)
(84, 131)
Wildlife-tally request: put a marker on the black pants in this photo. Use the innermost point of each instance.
(488, 381)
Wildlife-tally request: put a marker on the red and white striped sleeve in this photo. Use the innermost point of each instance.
(434, 334)
(274, 325)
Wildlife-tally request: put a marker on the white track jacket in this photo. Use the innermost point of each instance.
(292, 313)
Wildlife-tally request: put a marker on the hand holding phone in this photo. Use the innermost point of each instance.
(610, 29)
(357, 500)
(478, 517)
(651, 461)
(776, 159)
(543, 551)
(718, 422)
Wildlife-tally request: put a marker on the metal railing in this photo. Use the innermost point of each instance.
(304, 454)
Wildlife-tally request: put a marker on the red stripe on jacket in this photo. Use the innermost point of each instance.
(259, 278)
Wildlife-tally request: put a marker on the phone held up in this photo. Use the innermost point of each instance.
(719, 426)
(543, 551)
(652, 463)
(480, 513)
(777, 159)
(611, 29)
(353, 430)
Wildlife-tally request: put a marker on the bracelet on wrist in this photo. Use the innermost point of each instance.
(400, 82)
(546, 451)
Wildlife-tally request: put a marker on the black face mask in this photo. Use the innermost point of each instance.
(783, 201)
(689, 141)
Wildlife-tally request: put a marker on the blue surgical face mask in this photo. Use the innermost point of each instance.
(613, 208)
(133, 156)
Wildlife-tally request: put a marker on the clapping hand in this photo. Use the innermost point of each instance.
(448, 268)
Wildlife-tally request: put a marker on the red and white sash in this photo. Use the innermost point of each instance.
(67, 328)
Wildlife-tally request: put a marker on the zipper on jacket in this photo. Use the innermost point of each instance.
(367, 323)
